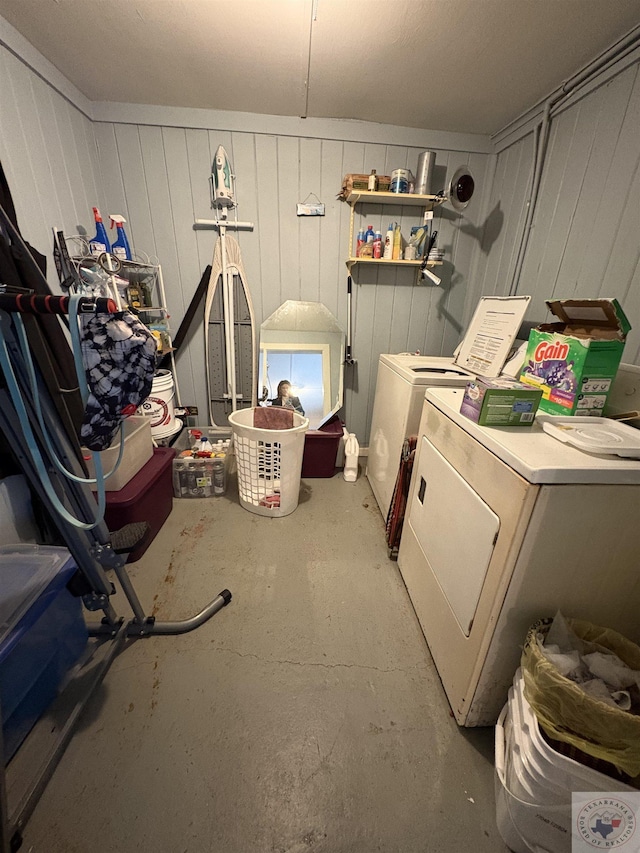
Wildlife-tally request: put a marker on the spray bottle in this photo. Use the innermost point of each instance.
(120, 248)
(100, 242)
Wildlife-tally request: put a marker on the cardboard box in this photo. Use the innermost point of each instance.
(500, 402)
(574, 361)
(361, 182)
(357, 183)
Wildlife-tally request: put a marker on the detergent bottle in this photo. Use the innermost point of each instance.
(351, 452)
(100, 242)
(120, 247)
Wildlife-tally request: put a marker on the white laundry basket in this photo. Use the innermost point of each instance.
(269, 463)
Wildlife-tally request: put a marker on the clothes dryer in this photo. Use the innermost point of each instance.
(504, 526)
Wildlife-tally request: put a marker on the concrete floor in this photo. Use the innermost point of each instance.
(305, 717)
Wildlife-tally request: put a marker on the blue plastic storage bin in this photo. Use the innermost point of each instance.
(42, 634)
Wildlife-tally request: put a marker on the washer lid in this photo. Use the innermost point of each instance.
(490, 335)
(427, 369)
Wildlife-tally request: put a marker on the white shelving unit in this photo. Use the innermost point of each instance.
(156, 314)
(426, 202)
(152, 311)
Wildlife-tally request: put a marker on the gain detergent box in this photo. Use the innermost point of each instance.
(574, 361)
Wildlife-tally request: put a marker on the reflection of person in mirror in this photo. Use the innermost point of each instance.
(286, 399)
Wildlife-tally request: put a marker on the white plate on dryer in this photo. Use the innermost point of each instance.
(594, 435)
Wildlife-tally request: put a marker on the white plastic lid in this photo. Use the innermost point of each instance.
(594, 435)
(25, 570)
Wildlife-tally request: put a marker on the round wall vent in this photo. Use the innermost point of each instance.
(461, 188)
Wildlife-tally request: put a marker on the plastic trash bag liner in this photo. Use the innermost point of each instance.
(569, 714)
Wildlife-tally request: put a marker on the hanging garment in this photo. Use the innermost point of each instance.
(119, 355)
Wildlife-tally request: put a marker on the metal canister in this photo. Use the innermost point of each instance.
(400, 181)
(424, 173)
(190, 480)
(218, 476)
(178, 469)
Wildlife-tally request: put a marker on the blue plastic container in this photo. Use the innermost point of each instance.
(44, 641)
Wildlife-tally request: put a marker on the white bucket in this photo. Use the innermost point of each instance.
(158, 406)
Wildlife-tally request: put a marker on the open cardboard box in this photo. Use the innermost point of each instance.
(574, 360)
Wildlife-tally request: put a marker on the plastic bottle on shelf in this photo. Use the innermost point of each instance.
(100, 242)
(120, 247)
(388, 243)
(373, 181)
(369, 236)
(359, 242)
(397, 244)
(351, 452)
(377, 245)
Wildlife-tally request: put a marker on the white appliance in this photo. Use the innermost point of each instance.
(402, 380)
(504, 526)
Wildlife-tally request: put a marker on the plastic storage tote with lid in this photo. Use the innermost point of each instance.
(321, 448)
(147, 497)
(42, 634)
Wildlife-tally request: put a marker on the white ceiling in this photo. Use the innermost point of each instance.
(456, 65)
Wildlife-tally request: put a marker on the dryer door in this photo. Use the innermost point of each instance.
(456, 530)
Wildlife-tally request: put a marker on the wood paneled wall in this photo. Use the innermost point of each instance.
(585, 238)
(158, 178)
(48, 151)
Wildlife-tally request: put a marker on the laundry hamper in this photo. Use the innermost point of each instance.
(269, 462)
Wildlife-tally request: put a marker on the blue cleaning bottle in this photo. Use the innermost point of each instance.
(100, 242)
(121, 248)
(369, 235)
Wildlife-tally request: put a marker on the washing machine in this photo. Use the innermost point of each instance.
(400, 386)
(403, 379)
(505, 526)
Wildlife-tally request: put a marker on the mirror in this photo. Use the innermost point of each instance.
(461, 188)
(302, 344)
